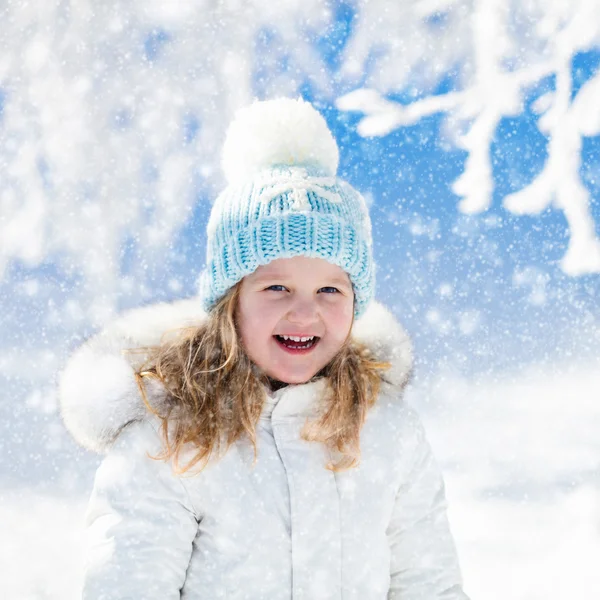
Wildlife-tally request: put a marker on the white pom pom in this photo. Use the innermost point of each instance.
(278, 132)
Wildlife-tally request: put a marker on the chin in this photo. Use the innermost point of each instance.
(292, 379)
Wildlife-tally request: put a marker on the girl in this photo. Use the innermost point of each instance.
(257, 446)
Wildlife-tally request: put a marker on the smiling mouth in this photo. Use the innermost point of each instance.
(297, 346)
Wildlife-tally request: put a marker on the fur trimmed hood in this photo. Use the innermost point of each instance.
(98, 393)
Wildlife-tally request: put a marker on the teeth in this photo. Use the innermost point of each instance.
(297, 339)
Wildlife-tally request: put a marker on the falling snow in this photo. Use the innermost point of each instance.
(471, 127)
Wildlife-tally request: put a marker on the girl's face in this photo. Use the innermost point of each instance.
(299, 297)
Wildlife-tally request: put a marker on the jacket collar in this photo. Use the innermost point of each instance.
(293, 400)
(98, 394)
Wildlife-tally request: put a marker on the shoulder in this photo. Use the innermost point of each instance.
(134, 476)
(138, 451)
(395, 431)
(395, 416)
(140, 436)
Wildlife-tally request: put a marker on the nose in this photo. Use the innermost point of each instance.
(303, 312)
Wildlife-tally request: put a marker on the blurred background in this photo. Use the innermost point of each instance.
(473, 129)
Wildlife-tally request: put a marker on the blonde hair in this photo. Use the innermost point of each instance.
(215, 393)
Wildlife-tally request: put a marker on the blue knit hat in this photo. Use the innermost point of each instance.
(283, 199)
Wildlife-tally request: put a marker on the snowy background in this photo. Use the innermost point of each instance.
(473, 129)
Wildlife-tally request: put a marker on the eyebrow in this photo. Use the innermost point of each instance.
(279, 276)
(339, 281)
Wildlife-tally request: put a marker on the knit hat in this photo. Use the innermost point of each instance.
(283, 199)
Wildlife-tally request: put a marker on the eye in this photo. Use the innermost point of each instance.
(275, 286)
(330, 288)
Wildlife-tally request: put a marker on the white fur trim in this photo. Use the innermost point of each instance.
(381, 332)
(99, 395)
(278, 132)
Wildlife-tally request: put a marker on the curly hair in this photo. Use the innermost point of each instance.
(215, 392)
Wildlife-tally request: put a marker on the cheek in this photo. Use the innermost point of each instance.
(253, 322)
(339, 321)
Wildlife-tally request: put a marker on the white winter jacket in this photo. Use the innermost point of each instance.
(287, 528)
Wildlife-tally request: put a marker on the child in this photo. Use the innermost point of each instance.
(258, 447)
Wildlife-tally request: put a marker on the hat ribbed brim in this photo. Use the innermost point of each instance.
(315, 235)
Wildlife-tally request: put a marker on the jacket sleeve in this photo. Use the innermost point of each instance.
(140, 524)
(424, 563)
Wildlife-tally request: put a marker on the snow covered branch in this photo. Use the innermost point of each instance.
(502, 51)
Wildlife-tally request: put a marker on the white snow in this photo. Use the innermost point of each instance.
(521, 456)
(41, 554)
